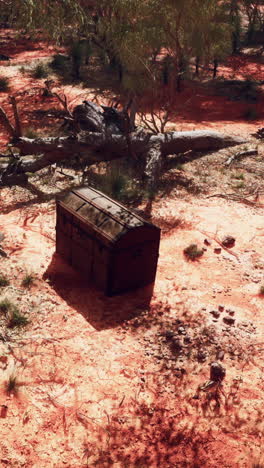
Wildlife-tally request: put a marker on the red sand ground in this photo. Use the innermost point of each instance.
(98, 386)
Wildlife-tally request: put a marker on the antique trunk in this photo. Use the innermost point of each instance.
(109, 244)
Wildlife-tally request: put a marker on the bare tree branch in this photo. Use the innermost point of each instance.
(13, 102)
(4, 120)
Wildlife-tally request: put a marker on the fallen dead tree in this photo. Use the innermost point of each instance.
(99, 133)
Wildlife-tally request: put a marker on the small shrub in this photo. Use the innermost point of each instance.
(118, 185)
(39, 71)
(4, 84)
(12, 385)
(28, 280)
(60, 63)
(192, 252)
(6, 305)
(261, 290)
(17, 319)
(23, 70)
(4, 281)
(30, 133)
(238, 176)
(240, 185)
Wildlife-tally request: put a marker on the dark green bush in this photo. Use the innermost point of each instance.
(60, 62)
(27, 280)
(6, 305)
(4, 281)
(17, 319)
(4, 84)
(40, 71)
(192, 252)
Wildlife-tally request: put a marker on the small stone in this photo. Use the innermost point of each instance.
(201, 356)
(159, 357)
(220, 355)
(228, 241)
(229, 320)
(3, 412)
(169, 334)
(187, 340)
(217, 372)
(207, 242)
(176, 344)
(217, 250)
(230, 312)
(215, 313)
(244, 324)
(221, 308)
(182, 331)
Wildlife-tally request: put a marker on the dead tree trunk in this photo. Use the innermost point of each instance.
(100, 134)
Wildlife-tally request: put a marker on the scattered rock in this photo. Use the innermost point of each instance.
(179, 371)
(220, 355)
(169, 334)
(228, 241)
(4, 361)
(221, 308)
(176, 344)
(187, 339)
(217, 372)
(207, 242)
(229, 320)
(217, 250)
(230, 312)
(201, 356)
(3, 412)
(244, 324)
(158, 356)
(215, 313)
(182, 331)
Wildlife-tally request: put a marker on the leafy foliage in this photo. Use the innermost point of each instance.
(130, 34)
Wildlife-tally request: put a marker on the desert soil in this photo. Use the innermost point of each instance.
(115, 381)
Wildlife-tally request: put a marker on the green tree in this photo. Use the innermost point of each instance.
(130, 33)
(255, 17)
